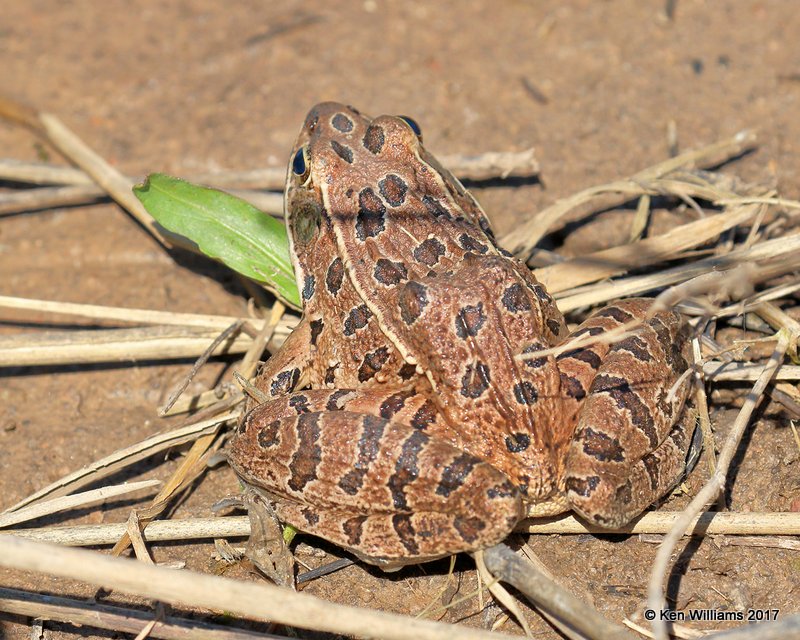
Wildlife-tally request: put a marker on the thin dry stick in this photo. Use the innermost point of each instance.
(110, 345)
(48, 198)
(709, 492)
(522, 239)
(137, 316)
(190, 468)
(616, 260)
(775, 257)
(254, 601)
(483, 166)
(124, 457)
(112, 181)
(117, 618)
(204, 357)
(657, 522)
(83, 499)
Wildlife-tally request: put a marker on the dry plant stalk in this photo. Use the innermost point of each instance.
(117, 618)
(650, 523)
(709, 492)
(525, 237)
(254, 601)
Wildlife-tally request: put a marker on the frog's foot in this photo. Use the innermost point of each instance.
(633, 430)
(391, 493)
(266, 547)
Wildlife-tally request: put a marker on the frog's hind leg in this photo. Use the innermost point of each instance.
(631, 440)
(389, 492)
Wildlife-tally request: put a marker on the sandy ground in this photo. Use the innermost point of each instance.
(190, 87)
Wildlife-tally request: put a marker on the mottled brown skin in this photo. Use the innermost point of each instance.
(427, 430)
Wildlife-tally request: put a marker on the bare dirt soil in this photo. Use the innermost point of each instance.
(189, 87)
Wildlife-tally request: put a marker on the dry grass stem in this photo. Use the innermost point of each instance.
(524, 238)
(136, 316)
(482, 166)
(251, 358)
(191, 467)
(48, 198)
(249, 600)
(774, 257)
(84, 499)
(709, 492)
(204, 357)
(113, 345)
(117, 618)
(653, 522)
(123, 458)
(616, 260)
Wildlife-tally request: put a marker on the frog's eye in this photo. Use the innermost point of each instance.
(300, 163)
(414, 126)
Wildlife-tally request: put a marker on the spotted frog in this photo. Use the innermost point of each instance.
(428, 423)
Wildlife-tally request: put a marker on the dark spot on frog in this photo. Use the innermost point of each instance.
(627, 399)
(394, 403)
(308, 287)
(475, 380)
(310, 516)
(517, 442)
(525, 392)
(534, 363)
(393, 189)
(584, 487)
(469, 527)
(372, 363)
(269, 436)
(429, 251)
(308, 455)
(405, 531)
(357, 319)
(469, 320)
(371, 216)
(299, 403)
(316, 330)
(636, 347)
(412, 301)
(352, 528)
(434, 207)
(407, 371)
(468, 243)
(515, 300)
(374, 139)
(424, 416)
(620, 315)
(390, 273)
(333, 403)
(369, 445)
(554, 326)
(330, 374)
(572, 387)
(583, 355)
(455, 474)
(342, 123)
(601, 446)
(334, 276)
(284, 382)
(345, 153)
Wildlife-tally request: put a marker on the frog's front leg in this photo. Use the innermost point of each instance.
(390, 492)
(633, 430)
(286, 370)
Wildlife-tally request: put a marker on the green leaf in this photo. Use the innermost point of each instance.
(225, 228)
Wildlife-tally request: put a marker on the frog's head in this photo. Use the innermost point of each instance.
(338, 160)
